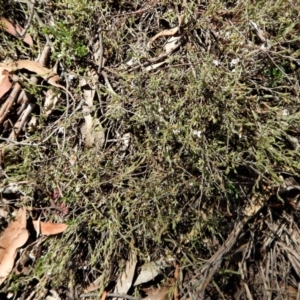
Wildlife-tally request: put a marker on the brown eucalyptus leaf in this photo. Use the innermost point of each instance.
(158, 294)
(46, 228)
(15, 30)
(13, 237)
(35, 67)
(5, 84)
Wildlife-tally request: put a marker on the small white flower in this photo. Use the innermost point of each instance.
(234, 62)
(285, 112)
(216, 62)
(197, 133)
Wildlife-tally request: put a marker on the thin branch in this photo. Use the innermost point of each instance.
(110, 295)
(101, 51)
(31, 6)
(18, 143)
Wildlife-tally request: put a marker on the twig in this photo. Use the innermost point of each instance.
(24, 117)
(110, 295)
(176, 276)
(244, 280)
(101, 51)
(219, 290)
(30, 4)
(67, 96)
(153, 60)
(122, 296)
(212, 265)
(109, 87)
(209, 269)
(26, 98)
(116, 73)
(31, 295)
(5, 109)
(18, 143)
(45, 55)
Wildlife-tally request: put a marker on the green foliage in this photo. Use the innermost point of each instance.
(70, 47)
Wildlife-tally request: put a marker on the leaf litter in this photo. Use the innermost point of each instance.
(92, 131)
(22, 98)
(15, 30)
(125, 279)
(5, 84)
(50, 102)
(149, 271)
(35, 67)
(16, 235)
(47, 228)
(13, 238)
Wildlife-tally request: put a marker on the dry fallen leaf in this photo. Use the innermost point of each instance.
(32, 124)
(125, 280)
(35, 67)
(54, 296)
(92, 132)
(3, 213)
(95, 285)
(5, 83)
(15, 30)
(13, 237)
(50, 102)
(158, 294)
(49, 228)
(172, 44)
(165, 292)
(89, 88)
(149, 271)
(167, 32)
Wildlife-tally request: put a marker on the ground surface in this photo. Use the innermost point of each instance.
(181, 147)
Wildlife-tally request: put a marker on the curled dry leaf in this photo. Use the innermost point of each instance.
(50, 102)
(149, 271)
(5, 84)
(168, 32)
(54, 295)
(125, 280)
(13, 237)
(89, 89)
(92, 132)
(158, 294)
(49, 228)
(172, 44)
(162, 293)
(15, 30)
(258, 30)
(126, 141)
